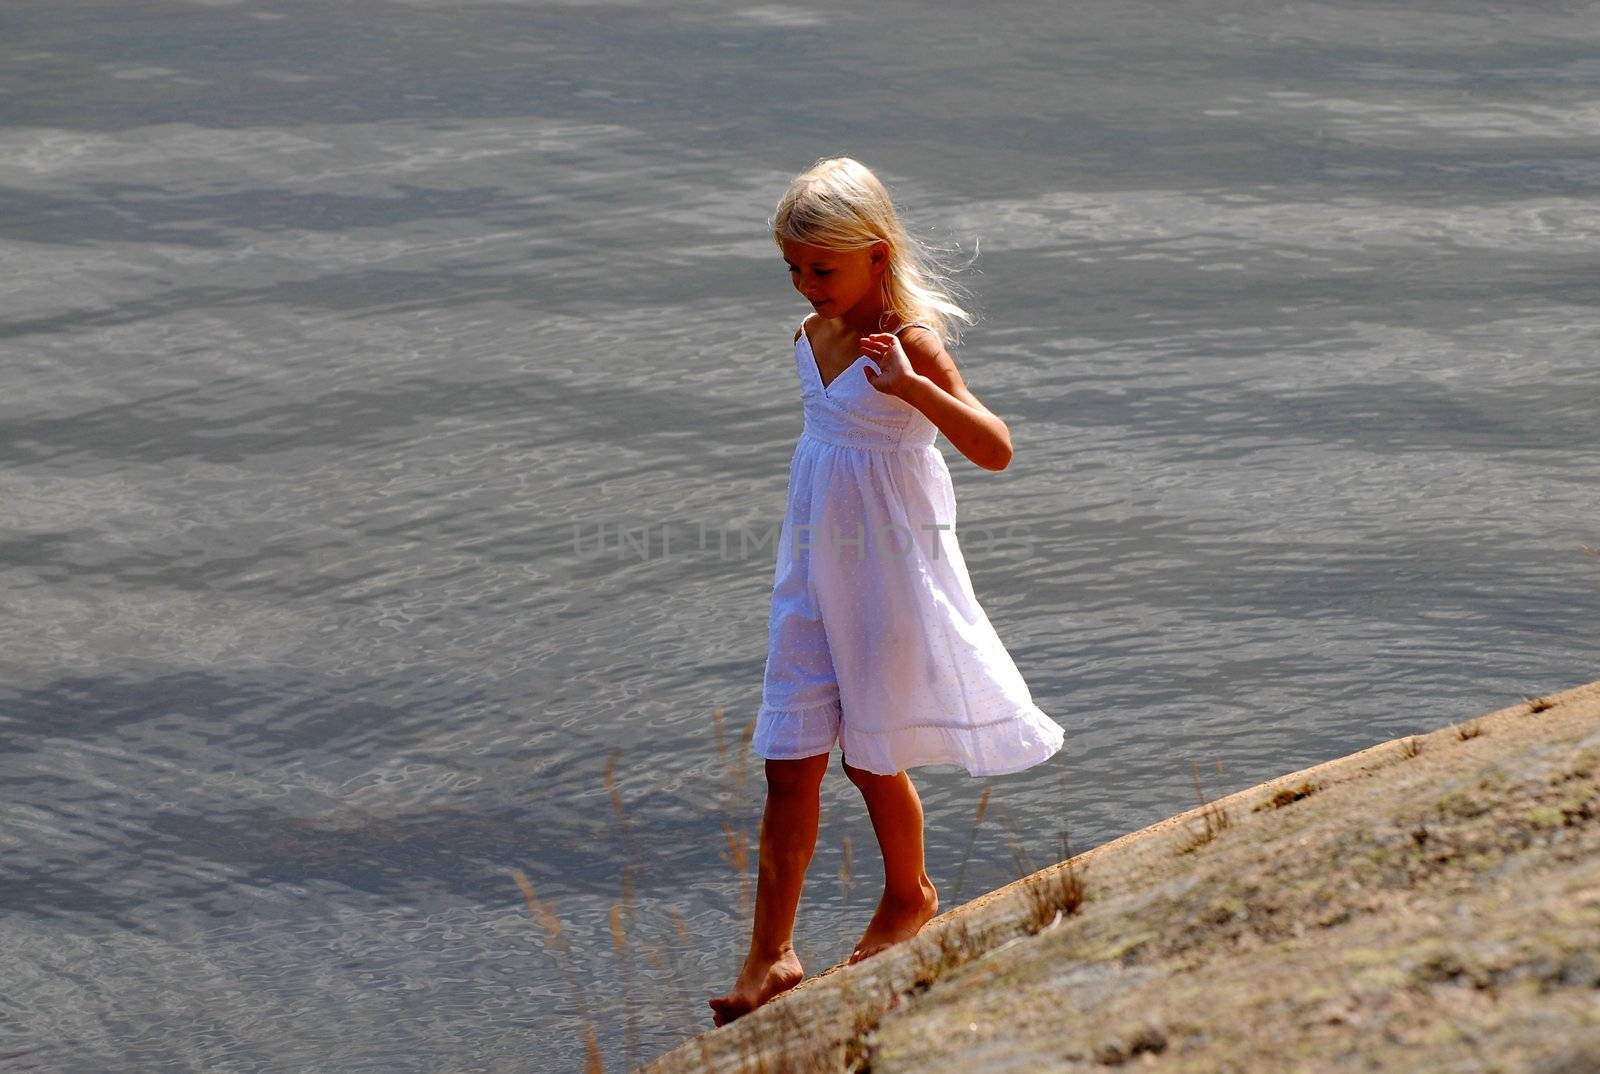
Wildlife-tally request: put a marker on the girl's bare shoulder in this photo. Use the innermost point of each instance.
(923, 346)
(928, 356)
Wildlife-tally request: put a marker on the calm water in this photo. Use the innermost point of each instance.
(333, 334)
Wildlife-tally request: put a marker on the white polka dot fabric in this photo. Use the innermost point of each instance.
(875, 638)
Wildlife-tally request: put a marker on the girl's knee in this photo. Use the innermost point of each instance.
(796, 776)
(860, 776)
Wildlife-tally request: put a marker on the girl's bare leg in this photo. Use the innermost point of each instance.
(788, 838)
(909, 899)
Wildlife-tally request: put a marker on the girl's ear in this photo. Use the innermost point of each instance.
(880, 254)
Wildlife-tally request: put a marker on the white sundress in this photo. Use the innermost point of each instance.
(875, 638)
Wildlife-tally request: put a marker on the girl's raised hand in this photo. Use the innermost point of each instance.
(884, 349)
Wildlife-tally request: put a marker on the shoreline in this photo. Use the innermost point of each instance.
(1396, 838)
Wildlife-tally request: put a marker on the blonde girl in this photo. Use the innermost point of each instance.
(876, 640)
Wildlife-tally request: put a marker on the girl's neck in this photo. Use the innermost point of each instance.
(864, 318)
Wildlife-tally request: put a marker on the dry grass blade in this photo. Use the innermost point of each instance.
(1199, 792)
(1285, 794)
(939, 953)
(622, 914)
(1066, 844)
(680, 988)
(744, 758)
(844, 868)
(681, 925)
(735, 835)
(737, 849)
(972, 837)
(737, 855)
(542, 914)
(1014, 841)
(1053, 894)
(1213, 818)
(546, 916)
(619, 938)
(611, 785)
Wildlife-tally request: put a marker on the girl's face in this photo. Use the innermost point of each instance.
(838, 282)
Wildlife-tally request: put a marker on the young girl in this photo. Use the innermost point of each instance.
(875, 638)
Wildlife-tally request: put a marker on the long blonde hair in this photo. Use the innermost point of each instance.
(839, 204)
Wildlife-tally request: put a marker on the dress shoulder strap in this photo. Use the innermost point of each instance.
(917, 324)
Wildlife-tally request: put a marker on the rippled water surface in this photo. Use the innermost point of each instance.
(336, 336)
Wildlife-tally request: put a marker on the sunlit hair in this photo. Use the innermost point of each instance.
(839, 204)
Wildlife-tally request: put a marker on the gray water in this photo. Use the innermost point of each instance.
(333, 334)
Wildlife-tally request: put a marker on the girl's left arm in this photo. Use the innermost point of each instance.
(930, 382)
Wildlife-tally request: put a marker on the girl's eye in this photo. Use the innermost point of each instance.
(824, 272)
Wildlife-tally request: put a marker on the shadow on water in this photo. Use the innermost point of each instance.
(100, 751)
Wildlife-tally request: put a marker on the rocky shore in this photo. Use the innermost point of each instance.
(1431, 903)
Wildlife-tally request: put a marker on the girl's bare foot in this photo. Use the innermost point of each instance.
(896, 920)
(759, 981)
